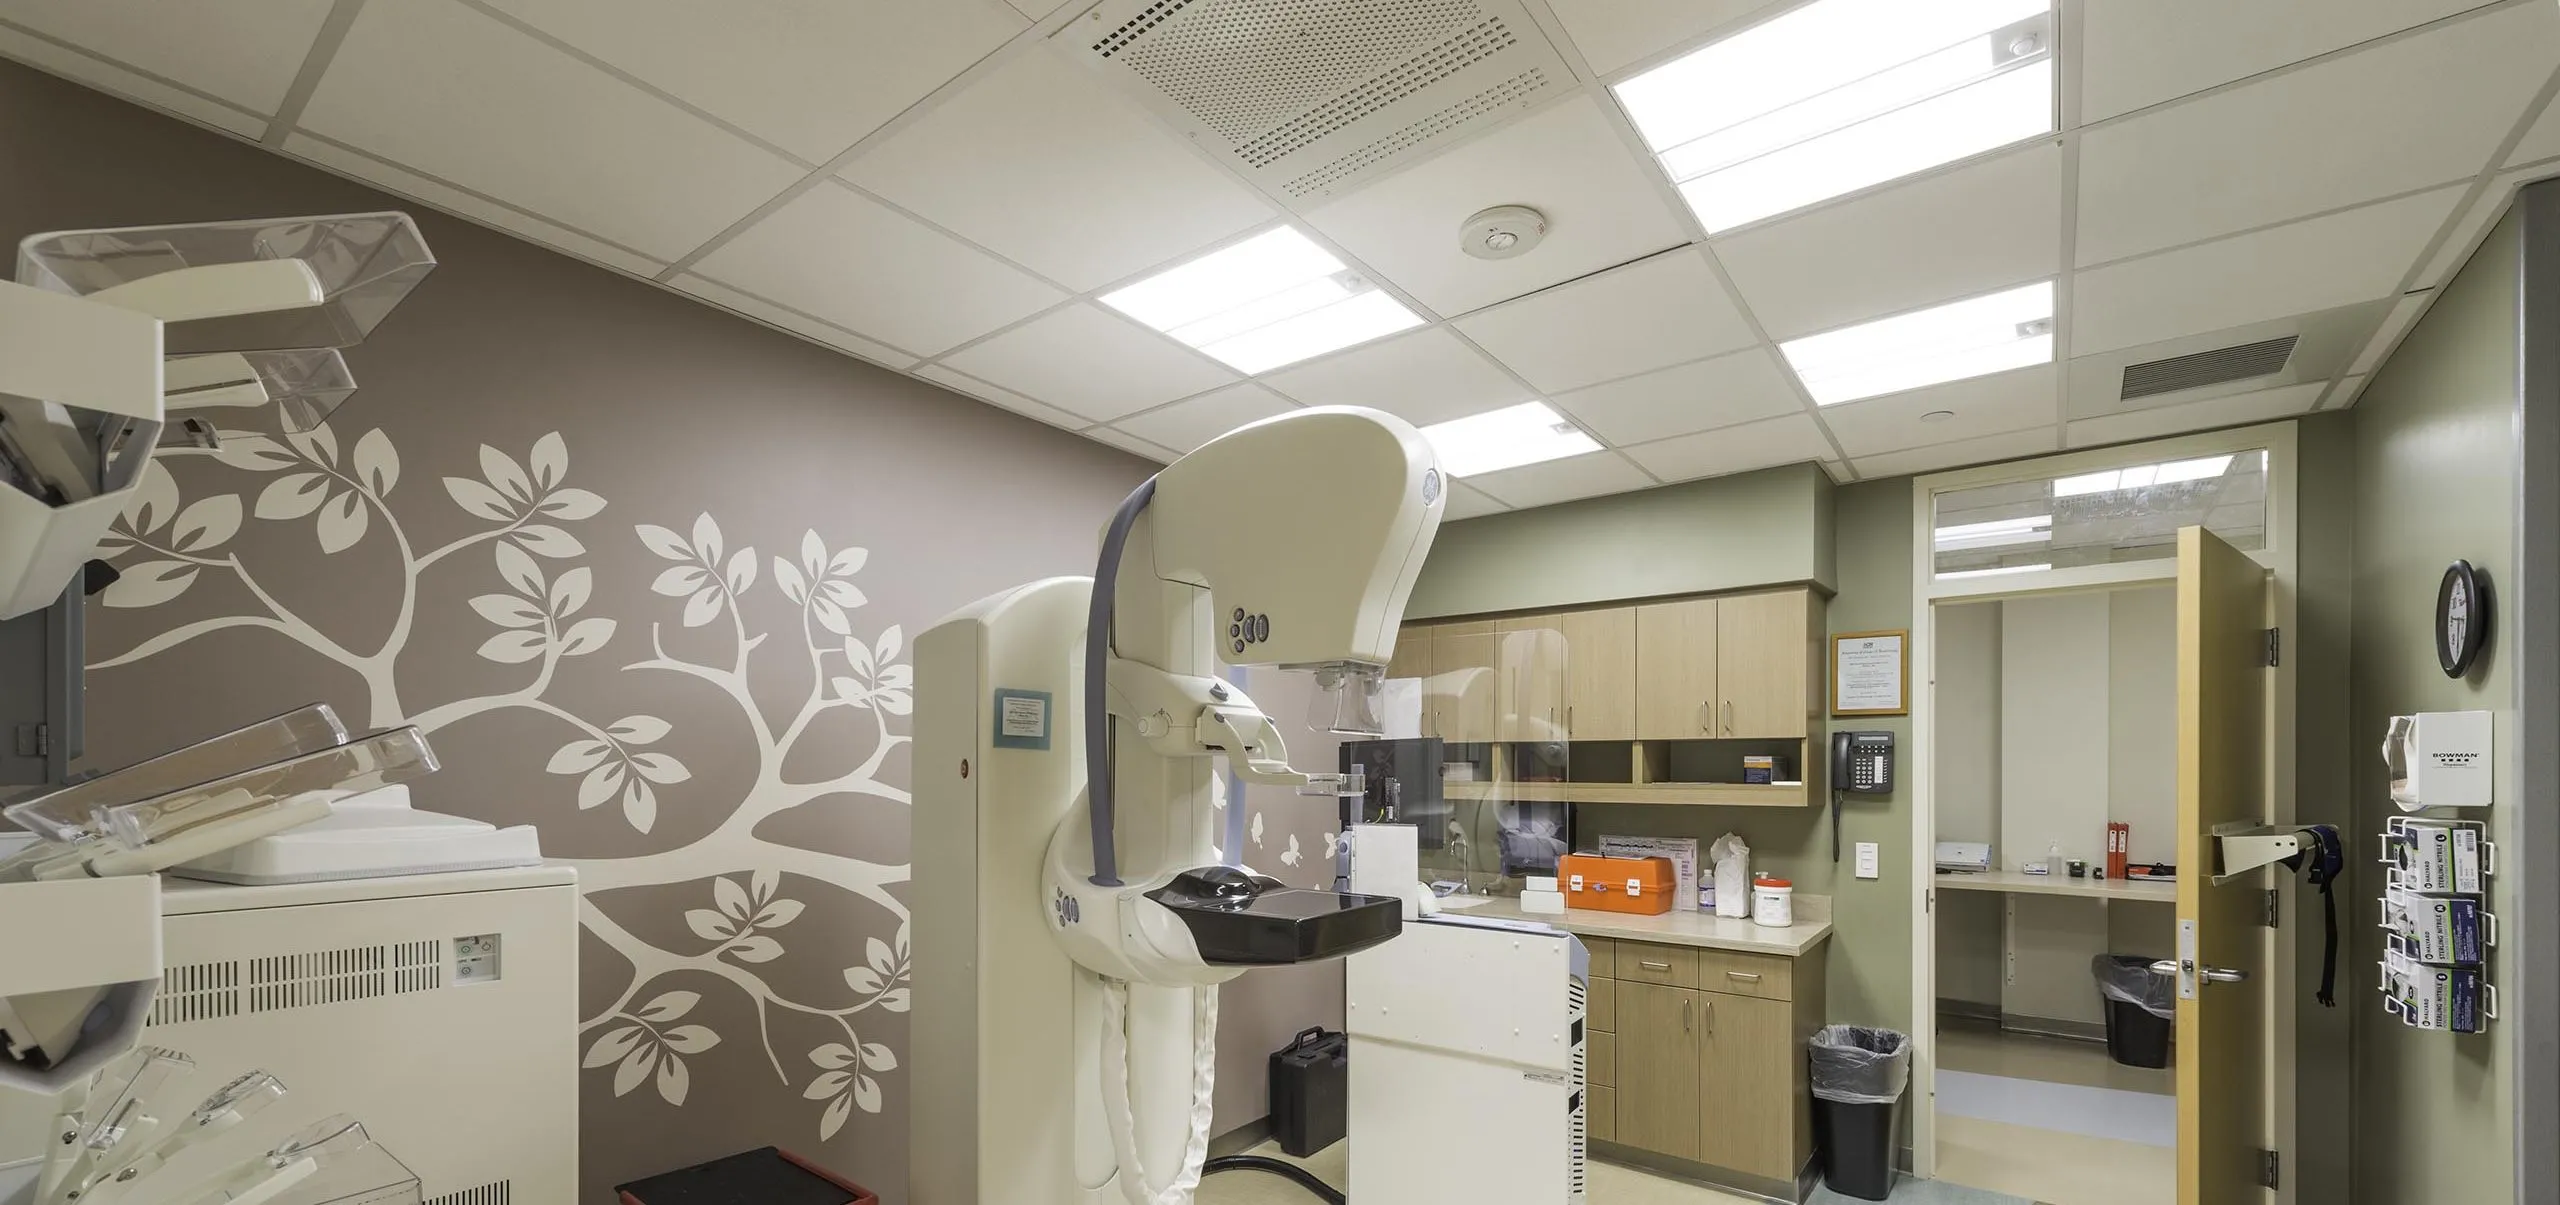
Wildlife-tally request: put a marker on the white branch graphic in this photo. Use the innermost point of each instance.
(538, 612)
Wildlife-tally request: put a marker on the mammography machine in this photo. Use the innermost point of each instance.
(1073, 915)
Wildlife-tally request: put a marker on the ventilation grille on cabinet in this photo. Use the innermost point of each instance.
(1578, 1129)
(210, 991)
(499, 1193)
(1305, 95)
(2220, 366)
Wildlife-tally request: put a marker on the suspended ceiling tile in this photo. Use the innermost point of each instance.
(1566, 161)
(1613, 34)
(1187, 424)
(2484, 212)
(1467, 502)
(529, 125)
(785, 318)
(118, 80)
(861, 265)
(246, 54)
(2137, 53)
(1043, 164)
(2396, 118)
(1425, 377)
(2312, 265)
(1132, 444)
(1661, 311)
(969, 386)
(1729, 389)
(809, 78)
(1036, 9)
(1549, 482)
(2233, 411)
(392, 178)
(1992, 405)
(1091, 361)
(2542, 140)
(1986, 449)
(1967, 232)
(1791, 439)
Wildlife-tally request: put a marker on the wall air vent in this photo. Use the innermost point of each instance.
(210, 991)
(500, 1193)
(2219, 366)
(1309, 97)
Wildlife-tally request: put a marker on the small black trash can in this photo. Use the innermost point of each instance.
(1858, 1078)
(2142, 1009)
(1311, 1092)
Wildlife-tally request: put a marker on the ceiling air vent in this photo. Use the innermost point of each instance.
(1309, 97)
(2220, 366)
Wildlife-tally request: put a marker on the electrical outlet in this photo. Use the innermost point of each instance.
(1866, 859)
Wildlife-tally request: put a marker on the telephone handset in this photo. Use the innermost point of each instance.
(1862, 762)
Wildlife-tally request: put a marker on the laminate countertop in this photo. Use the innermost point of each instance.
(1702, 929)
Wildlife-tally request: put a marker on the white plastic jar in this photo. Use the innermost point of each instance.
(1773, 902)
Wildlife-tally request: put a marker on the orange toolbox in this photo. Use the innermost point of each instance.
(1639, 885)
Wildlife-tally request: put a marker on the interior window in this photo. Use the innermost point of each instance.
(2131, 513)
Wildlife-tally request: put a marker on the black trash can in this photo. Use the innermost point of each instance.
(2142, 1009)
(1858, 1078)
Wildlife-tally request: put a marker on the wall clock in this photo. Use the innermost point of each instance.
(2462, 618)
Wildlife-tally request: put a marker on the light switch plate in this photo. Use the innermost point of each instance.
(1866, 859)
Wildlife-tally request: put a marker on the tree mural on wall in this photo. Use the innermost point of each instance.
(179, 536)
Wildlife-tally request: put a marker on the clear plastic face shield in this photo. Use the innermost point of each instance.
(1346, 701)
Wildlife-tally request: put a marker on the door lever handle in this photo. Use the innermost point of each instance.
(2169, 966)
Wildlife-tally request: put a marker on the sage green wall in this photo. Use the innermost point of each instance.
(1870, 946)
(2326, 747)
(2435, 480)
(1727, 533)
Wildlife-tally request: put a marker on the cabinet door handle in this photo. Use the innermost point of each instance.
(1728, 717)
(1568, 720)
(1711, 1016)
(1746, 977)
(1654, 966)
(1684, 1015)
(1707, 718)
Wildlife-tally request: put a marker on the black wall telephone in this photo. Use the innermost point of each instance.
(1862, 762)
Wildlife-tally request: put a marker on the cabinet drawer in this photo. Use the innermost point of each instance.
(1670, 966)
(1603, 957)
(1767, 976)
(1600, 1058)
(1600, 1114)
(1600, 1012)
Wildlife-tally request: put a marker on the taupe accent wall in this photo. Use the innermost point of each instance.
(647, 575)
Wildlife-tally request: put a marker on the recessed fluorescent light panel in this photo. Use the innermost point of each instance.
(1841, 95)
(1506, 439)
(1273, 299)
(1969, 338)
(2141, 476)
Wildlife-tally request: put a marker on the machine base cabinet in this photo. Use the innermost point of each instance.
(1697, 1063)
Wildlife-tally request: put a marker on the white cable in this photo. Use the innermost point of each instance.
(1123, 1124)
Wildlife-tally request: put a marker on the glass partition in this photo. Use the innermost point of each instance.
(2110, 516)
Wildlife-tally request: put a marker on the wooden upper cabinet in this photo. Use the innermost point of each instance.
(1463, 692)
(1599, 673)
(1676, 670)
(1762, 667)
(1413, 652)
(1532, 656)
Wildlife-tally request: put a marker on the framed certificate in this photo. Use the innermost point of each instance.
(1871, 673)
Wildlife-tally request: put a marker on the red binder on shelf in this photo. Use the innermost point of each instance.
(2119, 842)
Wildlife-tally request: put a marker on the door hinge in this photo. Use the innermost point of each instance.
(35, 740)
(2270, 1169)
(2273, 654)
(2275, 911)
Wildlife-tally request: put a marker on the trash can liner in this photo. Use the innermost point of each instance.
(2129, 979)
(1853, 1064)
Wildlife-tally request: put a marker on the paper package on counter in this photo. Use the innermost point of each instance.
(1732, 861)
(1683, 853)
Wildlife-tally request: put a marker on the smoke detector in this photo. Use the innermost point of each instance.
(1502, 232)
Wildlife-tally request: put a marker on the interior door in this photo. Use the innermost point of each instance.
(2223, 1048)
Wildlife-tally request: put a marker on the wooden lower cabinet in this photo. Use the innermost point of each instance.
(1747, 1065)
(1660, 1032)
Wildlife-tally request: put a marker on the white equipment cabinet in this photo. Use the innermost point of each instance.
(1467, 1065)
(441, 1009)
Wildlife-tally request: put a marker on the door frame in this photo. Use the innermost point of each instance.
(2278, 555)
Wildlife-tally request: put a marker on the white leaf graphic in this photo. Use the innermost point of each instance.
(778, 913)
(150, 583)
(863, 979)
(505, 474)
(787, 576)
(318, 445)
(507, 610)
(292, 496)
(343, 522)
(731, 898)
(638, 729)
(550, 460)
(514, 648)
(578, 757)
(689, 1039)
(710, 925)
(882, 959)
(830, 616)
(844, 593)
(703, 607)
(833, 1055)
(254, 453)
(742, 571)
(866, 1093)
(894, 1000)
(858, 655)
(1257, 828)
(670, 1006)
(837, 1110)
(478, 500)
(706, 538)
(600, 784)
(660, 768)
(571, 505)
(762, 883)
(570, 590)
(757, 949)
(667, 544)
(376, 463)
(209, 523)
(673, 1081)
(586, 636)
(519, 570)
(634, 1069)
(895, 702)
(542, 539)
(154, 501)
(615, 1043)
(676, 581)
(813, 554)
(879, 1057)
(890, 642)
(848, 562)
(639, 805)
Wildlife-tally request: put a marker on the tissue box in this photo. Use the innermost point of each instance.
(1542, 901)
